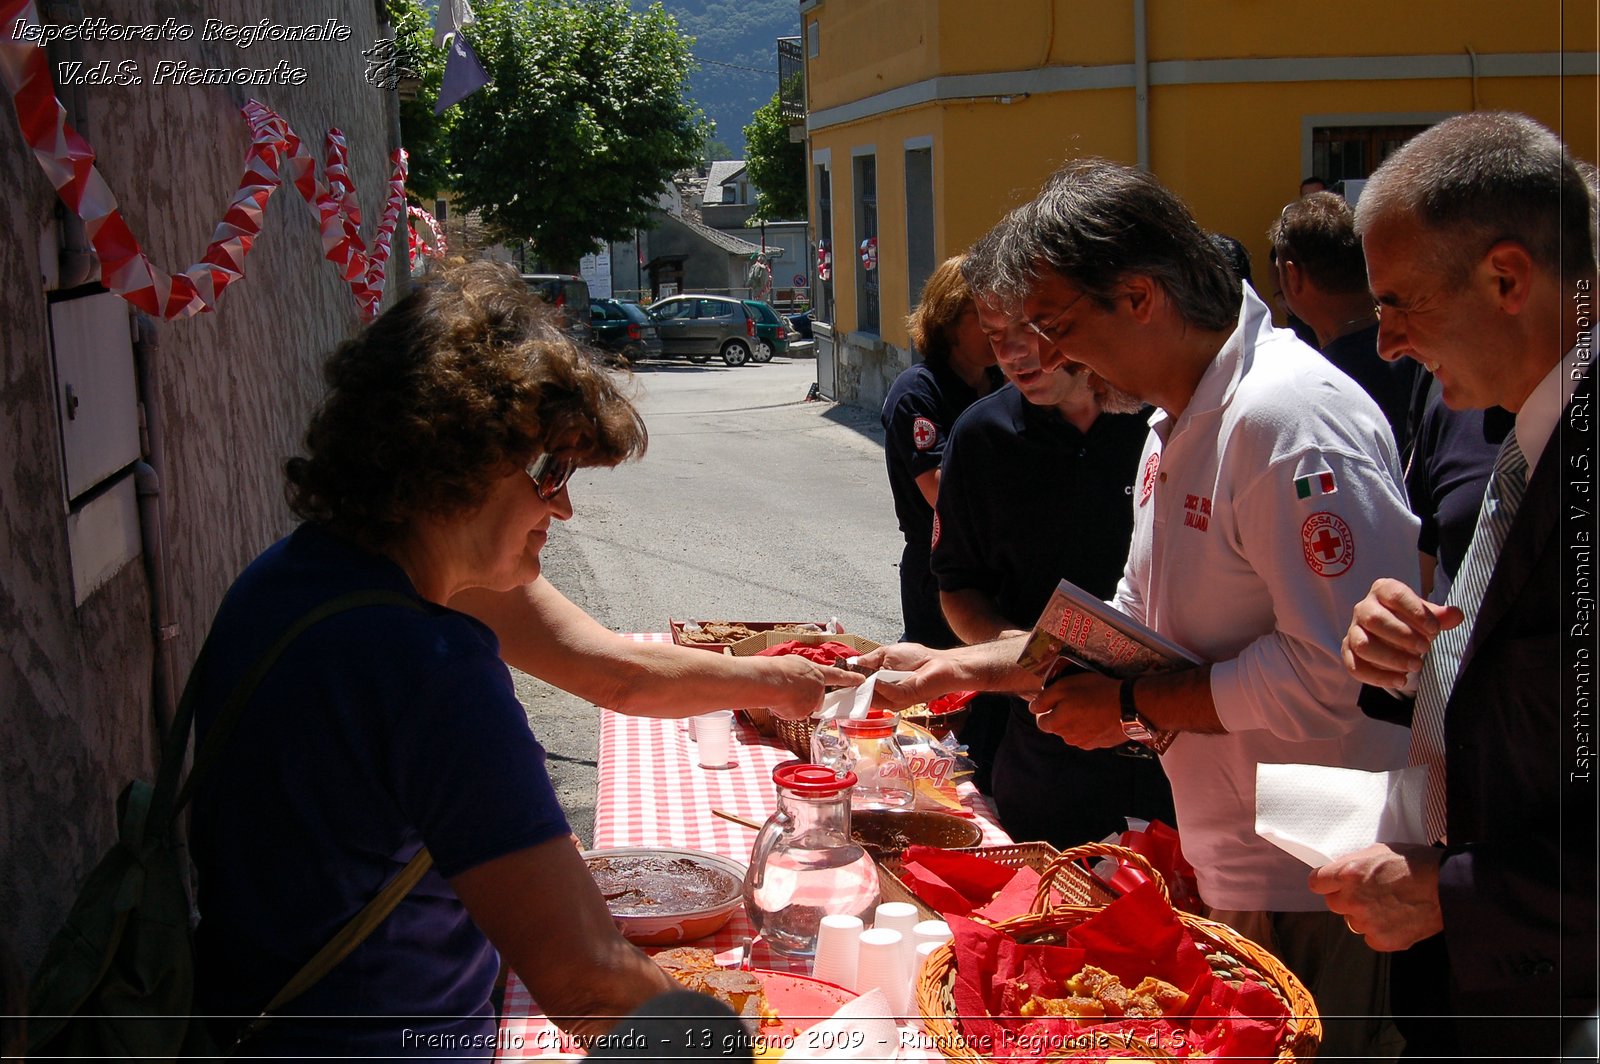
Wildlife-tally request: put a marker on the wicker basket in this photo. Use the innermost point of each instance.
(935, 986)
(1084, 888)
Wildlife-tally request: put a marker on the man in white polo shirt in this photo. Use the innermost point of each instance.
(1268, 499)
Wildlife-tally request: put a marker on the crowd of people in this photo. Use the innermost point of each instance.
(1357, 538)
(1359, 542)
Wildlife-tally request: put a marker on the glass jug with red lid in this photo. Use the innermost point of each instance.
(804, 865)
(868, 747)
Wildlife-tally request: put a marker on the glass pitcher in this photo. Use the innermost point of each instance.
(804, 865)
(867, 746)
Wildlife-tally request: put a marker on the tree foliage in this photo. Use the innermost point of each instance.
(423, 133)
(775, 164)
(584, 123)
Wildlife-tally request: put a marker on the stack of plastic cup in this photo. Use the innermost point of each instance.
(880, 967)
(838, 948)
(902, 917)
(715, 738)
(931, 931)
(926, 937)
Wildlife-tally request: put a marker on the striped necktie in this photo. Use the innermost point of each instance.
(1501, 497)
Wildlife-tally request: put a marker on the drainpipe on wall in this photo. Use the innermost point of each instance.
(1472, 60)
(152, 526)
(1141, 84)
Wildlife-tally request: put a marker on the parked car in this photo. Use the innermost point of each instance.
(569, 294)
(698, 326)
(624, 328)
(772, 332)
(800, 323)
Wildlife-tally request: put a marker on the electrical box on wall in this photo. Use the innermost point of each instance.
(98, 409)
(96, 396)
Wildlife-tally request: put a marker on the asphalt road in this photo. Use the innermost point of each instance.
(751, 504)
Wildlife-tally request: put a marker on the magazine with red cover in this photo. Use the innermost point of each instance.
(1078, 629)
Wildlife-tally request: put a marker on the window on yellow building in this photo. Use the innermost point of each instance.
(919, 220)
(1343, 153)
(822, 293)
(866, 249)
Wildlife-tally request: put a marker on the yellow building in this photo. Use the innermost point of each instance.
(929, 119)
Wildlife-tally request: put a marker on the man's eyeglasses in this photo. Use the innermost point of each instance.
(550, 473)
(1048, 329)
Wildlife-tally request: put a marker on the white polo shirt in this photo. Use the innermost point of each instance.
(1262, 516)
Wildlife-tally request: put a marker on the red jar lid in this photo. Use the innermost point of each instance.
(811, 781)
(875, 725)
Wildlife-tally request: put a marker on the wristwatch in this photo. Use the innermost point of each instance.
(1134, 724)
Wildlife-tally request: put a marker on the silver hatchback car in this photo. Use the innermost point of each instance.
(698, 327)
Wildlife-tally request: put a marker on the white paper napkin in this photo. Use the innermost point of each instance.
(1319, 813)
(836, 1037)
(852, 703)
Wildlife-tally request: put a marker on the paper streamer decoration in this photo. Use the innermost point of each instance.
(869, 253)
(275, 153)
(427, 240)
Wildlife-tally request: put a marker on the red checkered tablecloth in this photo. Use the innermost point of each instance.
(652, 793)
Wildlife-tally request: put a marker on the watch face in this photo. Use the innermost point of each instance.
(1137, 730)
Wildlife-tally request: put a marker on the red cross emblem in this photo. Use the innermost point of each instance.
(1328, 546)
(1147, 483)
(924, 433)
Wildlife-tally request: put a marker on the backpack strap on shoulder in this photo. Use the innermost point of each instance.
(165, 807)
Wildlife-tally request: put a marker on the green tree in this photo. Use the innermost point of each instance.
(423, 133)
(775, 164)
(585, 122)
(718, 149)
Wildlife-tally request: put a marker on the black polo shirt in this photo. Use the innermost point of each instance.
(918, 414)
(1453, 456)
(1027, 499)
(1388, 383)
(1024, 500)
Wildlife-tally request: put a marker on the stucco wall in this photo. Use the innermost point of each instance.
(236, 385)
(1232, 140)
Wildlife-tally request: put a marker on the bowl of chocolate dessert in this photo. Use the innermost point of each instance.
(659, 895)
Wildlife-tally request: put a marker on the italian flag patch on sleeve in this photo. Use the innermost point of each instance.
(1315, 484)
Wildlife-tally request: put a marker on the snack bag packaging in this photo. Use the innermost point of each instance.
(935, 766)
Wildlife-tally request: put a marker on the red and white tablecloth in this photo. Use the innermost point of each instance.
(652, 793)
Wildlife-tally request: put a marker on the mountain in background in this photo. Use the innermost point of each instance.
(736, 42)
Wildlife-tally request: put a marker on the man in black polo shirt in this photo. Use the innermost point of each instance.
(1323, 276)
(1036, 485)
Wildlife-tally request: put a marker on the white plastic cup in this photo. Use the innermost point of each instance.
(838, 949)
(715, 743)
(880, 966)
(693, 735)
(896, 916)
(934, 931)
(902, 917)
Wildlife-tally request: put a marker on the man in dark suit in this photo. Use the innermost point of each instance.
(1479, 254)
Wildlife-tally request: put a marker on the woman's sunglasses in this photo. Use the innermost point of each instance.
(550, 473)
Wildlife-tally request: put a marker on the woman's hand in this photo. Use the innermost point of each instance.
(796, 685)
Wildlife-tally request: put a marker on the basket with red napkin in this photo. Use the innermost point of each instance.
(1132, 978)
